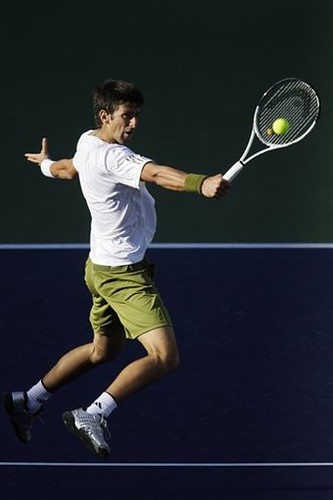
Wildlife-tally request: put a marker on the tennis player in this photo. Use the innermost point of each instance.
(125, 301)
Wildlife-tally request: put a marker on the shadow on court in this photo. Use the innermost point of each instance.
(254, 386)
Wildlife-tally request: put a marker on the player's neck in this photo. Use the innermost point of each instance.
(104, 136)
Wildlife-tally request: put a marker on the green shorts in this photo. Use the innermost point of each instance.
(125, 297)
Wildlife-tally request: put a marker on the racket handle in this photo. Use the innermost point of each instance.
(233, 171)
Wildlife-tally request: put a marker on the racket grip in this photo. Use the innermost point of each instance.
(233, 171)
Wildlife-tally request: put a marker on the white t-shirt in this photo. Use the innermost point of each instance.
(123, 218)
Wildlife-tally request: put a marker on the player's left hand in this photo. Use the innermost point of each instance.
(39, 157)
(215, 186)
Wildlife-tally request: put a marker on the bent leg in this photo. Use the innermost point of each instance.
(81, 359)
(162, 357)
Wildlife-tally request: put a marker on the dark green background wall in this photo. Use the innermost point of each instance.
(202, 66)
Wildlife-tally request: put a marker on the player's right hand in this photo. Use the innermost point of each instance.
(215, 186)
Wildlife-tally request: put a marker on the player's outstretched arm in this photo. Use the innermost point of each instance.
(60, 169)
(177, 180)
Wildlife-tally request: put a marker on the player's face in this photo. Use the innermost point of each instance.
(123, 122)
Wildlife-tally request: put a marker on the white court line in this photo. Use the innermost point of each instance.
(166, 464)
(240, 245)
(78, 246)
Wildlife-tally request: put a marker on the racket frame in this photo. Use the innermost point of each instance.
(235, 169)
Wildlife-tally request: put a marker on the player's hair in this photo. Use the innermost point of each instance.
(111, 94)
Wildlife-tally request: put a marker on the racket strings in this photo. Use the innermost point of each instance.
(293, 100)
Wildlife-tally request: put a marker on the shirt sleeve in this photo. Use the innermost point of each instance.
(125, 166)
(80, 153)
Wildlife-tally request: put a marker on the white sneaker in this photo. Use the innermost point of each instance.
(91, 429)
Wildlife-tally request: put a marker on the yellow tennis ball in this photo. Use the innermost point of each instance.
(280, 126)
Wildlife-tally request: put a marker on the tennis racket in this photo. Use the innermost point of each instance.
(292, 100)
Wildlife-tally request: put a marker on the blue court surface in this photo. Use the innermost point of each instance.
(249, 412)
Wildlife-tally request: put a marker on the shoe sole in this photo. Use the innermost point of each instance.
(69, 422)
(8, 404)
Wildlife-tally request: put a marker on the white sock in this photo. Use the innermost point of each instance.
(104, 405)
(36, 397)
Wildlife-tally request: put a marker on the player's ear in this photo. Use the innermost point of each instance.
(104, 116)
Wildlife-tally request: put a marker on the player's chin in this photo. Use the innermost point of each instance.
(127, 136)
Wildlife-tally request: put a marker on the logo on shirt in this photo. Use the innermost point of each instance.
(138, 159)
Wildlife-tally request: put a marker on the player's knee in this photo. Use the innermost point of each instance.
(168, 361)
(106, 347)
(99, 356)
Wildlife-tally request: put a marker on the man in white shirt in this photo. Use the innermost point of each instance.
(125, 301)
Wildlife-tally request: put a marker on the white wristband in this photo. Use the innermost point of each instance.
(45, 167)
